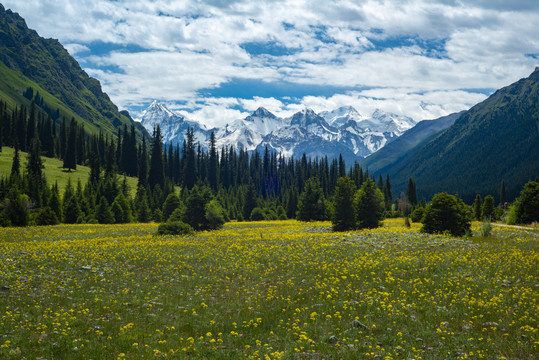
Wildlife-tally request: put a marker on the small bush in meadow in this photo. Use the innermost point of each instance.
(175, 228)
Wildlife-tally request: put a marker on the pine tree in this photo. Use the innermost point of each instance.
(172, 203)
(343, 217)
(54, 202)
(70, 155)
(369, 205)
(249, 202)
(143, 165)
(15, 166)
(503, 195)
(103, 213)
(190, 163)
(34, 172)
(411, 193)
(212, 163)
(311, 203)
(156, 175)
(477, 207)
(487, 211)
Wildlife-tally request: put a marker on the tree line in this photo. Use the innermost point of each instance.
(239, 185)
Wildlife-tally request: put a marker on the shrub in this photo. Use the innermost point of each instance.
(417, 214)
(175, 228)
(486, 229)
(171, 203)
(177, 215)
(446, 213)
(195, 207)
(257, 214)
(4, 220)
(214, 215)
(47, 216)
(121, 209)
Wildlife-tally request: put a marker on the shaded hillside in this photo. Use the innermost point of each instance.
(46, 63)
(495, 140)
(397, 153)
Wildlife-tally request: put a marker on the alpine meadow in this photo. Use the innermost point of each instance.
(269, 180)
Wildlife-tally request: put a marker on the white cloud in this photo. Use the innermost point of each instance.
(384, 46)
(76, 48)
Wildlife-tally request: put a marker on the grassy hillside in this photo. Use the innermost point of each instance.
(267, 290)
(48, 65)
(54, 171)
(12, 86)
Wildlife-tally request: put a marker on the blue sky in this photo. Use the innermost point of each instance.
(217, 61)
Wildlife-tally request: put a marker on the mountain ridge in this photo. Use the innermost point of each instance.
(305, 131)
(47, 63)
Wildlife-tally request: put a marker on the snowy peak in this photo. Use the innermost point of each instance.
(157, 113)
(389, 122)
(342, 115)
(173, 126)
(260, 113)
(307, 117)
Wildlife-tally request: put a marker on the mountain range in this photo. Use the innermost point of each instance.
(341, 131)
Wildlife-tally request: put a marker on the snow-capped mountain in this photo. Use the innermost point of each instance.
(248, 133)
(173, 126)
(341, 131)
(342, 115)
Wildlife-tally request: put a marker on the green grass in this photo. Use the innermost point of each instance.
(267, 290)
(54, 172)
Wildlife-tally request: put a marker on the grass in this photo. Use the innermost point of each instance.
(267, 290)
(54, 171)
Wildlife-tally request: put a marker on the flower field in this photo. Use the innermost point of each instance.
(267, 290)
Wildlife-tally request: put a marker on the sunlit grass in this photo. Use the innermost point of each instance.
(267, 290)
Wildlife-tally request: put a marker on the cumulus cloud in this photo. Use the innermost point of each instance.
(419, 58)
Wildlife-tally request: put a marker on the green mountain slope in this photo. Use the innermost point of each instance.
(26, 59)
(495, 140)
(396, 154)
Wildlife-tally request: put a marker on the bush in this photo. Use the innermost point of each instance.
(417, 214)
(195, 207)
(177, 215)
(446, 213)
(486, 229)
(175, 228)
(171, 203)
(257, 214)
(214, 215)
(46, 216)
(4, 220)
